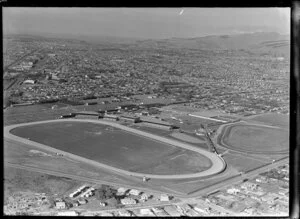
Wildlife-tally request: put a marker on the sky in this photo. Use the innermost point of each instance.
(148, 23)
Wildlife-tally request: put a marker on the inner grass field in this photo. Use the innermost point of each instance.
(257, 139)
(115, 147)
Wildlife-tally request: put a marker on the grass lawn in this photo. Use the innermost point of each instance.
(115, 147)
(251, 138)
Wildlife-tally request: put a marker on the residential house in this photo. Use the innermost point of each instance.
(172, 211)
(134, 192)
(128, 201)
(164, 198)
(60, 204)
(124, 213)
(121, 191)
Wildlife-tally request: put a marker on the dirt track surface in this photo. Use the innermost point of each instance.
(218, 164)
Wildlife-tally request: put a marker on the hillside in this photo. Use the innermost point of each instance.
(255, 42)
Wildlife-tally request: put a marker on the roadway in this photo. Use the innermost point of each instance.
(238, 178)
(218, 164)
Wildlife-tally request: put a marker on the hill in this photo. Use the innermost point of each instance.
(261, 42)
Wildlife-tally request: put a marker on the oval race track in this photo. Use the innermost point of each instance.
(218, 164)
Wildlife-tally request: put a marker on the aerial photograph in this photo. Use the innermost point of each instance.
(161, 112)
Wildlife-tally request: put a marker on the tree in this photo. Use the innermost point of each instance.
(99, 193)
(112, 201)
(105, 192)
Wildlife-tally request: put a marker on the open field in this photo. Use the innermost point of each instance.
(16, 180)
(254, 138)
(243, 163)
(167, 154)
(22, 114)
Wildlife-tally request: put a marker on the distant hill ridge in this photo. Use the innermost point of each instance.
(260, 42)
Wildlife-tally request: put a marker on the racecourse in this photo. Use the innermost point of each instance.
(218, 164)
(254, 138)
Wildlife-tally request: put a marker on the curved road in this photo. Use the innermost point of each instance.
(218, 164)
